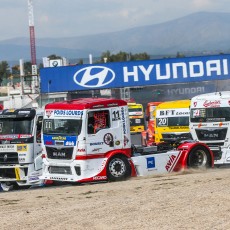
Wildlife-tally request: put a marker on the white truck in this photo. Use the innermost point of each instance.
(20, 148)
(88, 140)
(210, 123)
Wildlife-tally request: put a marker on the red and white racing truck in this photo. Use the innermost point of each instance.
(210, 122)
(89, 139)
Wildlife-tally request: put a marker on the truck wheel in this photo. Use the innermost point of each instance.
(118, 168)
(199, 157)
(7, 186)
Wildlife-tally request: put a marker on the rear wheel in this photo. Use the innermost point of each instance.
(199, 157)
(118, 168)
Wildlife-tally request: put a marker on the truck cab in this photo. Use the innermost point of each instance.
(172, 121)
(20, 148)
(136, 116)
(210, 122)
(86, 139)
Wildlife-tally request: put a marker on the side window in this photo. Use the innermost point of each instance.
(39, 129)
(98, 120)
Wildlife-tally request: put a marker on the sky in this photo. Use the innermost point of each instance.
(70, 18)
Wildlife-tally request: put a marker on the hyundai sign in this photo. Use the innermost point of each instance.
(136, 73)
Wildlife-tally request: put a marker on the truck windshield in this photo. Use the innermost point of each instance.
(210, 114)
(70, 127)
(16, 126)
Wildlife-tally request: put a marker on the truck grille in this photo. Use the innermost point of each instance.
(9, 158)
(211, 134)
(62, 153)
(60, 170)
(177, 135)
(8, 173)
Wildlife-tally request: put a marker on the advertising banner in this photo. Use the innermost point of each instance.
(135, 73)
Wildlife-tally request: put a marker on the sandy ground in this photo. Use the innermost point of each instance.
(189, 200)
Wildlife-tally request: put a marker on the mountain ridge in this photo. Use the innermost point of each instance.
(197, 32)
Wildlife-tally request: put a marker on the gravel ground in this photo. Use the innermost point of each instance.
(188, 200)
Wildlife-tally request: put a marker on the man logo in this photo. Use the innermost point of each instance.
(94, 76)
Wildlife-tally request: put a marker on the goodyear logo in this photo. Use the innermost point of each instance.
(59, 138)
(21, 148)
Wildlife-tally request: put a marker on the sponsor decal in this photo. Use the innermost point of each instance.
(48, 113)
(9, 136)
(108, 138)
(123, 120)
(174, 112)
(23, 112)
(150, 162)
(76, 113)
(69, 143)
(7, 148)
(100, 178)
(59, 138)
(96, 143)
(170, 163)
(94, 76)
(81, 150)
(117, 143)
(32, 178)
(215, 103)
(21, 148)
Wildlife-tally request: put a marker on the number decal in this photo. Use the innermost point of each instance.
(162, 121)
(116, 115)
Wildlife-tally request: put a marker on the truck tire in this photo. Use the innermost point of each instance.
(8, 186)
(199, 158)
(118, 168)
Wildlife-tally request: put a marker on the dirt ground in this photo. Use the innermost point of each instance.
(188, 200)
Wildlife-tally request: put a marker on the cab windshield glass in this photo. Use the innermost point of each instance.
(16, 126)
(210, 114)
(70, 127)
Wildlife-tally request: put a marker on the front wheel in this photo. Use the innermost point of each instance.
(118, 168)
(199, 157)
(8, 186)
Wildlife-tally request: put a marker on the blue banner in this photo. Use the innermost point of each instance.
(135, 73)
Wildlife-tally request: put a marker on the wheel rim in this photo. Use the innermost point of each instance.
(199, 158)
(6, 186)
(117, 167)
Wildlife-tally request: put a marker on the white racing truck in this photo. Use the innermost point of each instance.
(88, 140)
(210, 122)
(20, 148)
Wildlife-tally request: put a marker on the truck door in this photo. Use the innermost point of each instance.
(37, 144)
(99, 133)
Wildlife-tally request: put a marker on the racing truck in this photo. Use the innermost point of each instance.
(210, 122)
(148, 135)
(89, 140)
(172, 121)
(136, 117)
(20, 148)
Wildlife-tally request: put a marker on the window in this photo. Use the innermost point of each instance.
(98, 120)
